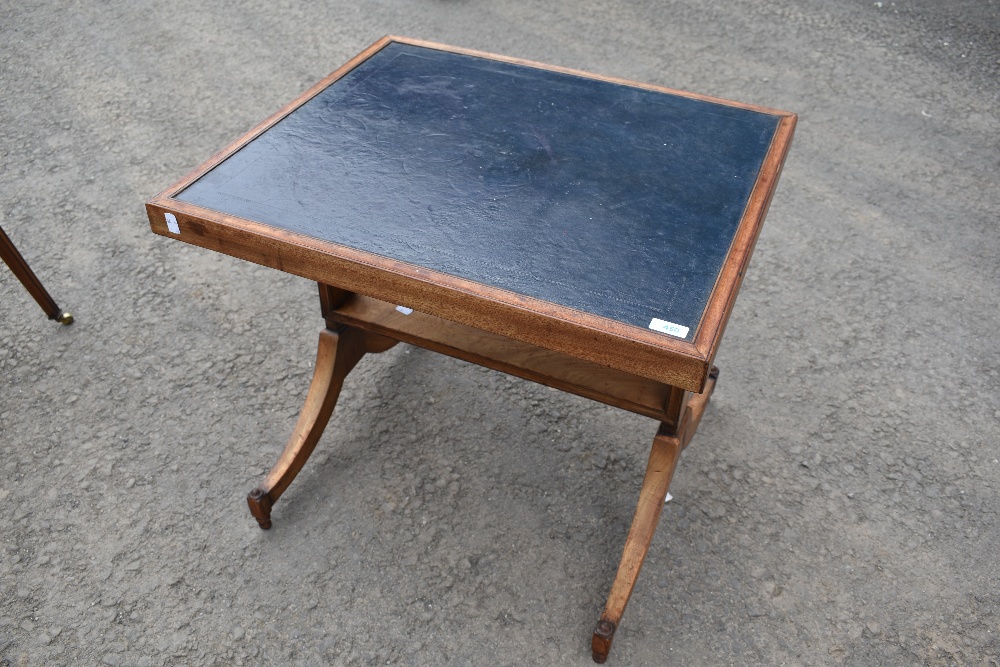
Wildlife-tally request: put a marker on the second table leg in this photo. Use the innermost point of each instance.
(338, 353)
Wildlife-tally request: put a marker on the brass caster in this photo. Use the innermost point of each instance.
(65, 318)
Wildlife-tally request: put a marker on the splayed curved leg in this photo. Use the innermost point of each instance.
(662, 461)
(667, 447)
(338, 353)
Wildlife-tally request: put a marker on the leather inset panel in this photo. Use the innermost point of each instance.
(610, 199)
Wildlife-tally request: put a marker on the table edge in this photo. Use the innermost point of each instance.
(547, 325)
(604, 341)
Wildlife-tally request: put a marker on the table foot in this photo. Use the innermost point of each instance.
(260, 506)
(600, 645)
(667, 446)
(338, 353)
(65, 318)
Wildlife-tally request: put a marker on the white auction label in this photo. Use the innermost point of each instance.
(668, 328)
(172, 223)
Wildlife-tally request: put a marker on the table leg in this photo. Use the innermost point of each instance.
(338, 353)
(12, 258)
(666, 450)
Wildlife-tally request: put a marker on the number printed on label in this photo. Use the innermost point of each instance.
(669, 328)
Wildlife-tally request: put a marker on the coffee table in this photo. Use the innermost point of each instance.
(581, 231)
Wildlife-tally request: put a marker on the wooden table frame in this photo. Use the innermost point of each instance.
(357, 325)
(662, 377)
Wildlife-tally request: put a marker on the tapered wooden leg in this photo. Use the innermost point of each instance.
(12, 258)
(338, 353)
(667, 447)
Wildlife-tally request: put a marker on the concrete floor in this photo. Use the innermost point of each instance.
(838, 505)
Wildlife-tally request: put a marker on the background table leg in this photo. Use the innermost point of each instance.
(12, 258)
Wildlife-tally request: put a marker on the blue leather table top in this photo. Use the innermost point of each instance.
(610, 199)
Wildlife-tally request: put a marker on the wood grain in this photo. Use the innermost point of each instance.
(595, 339)
(606, 385)
(336, 355)
(727, 285)
(659, 470)
(668, 444)
(615, 363)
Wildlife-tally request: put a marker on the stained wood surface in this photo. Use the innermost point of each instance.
(663, 458)
(642, 353)
(629, 392)
(336, 355)
(670, 441)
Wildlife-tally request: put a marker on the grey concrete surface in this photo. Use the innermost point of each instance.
(838, 505)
